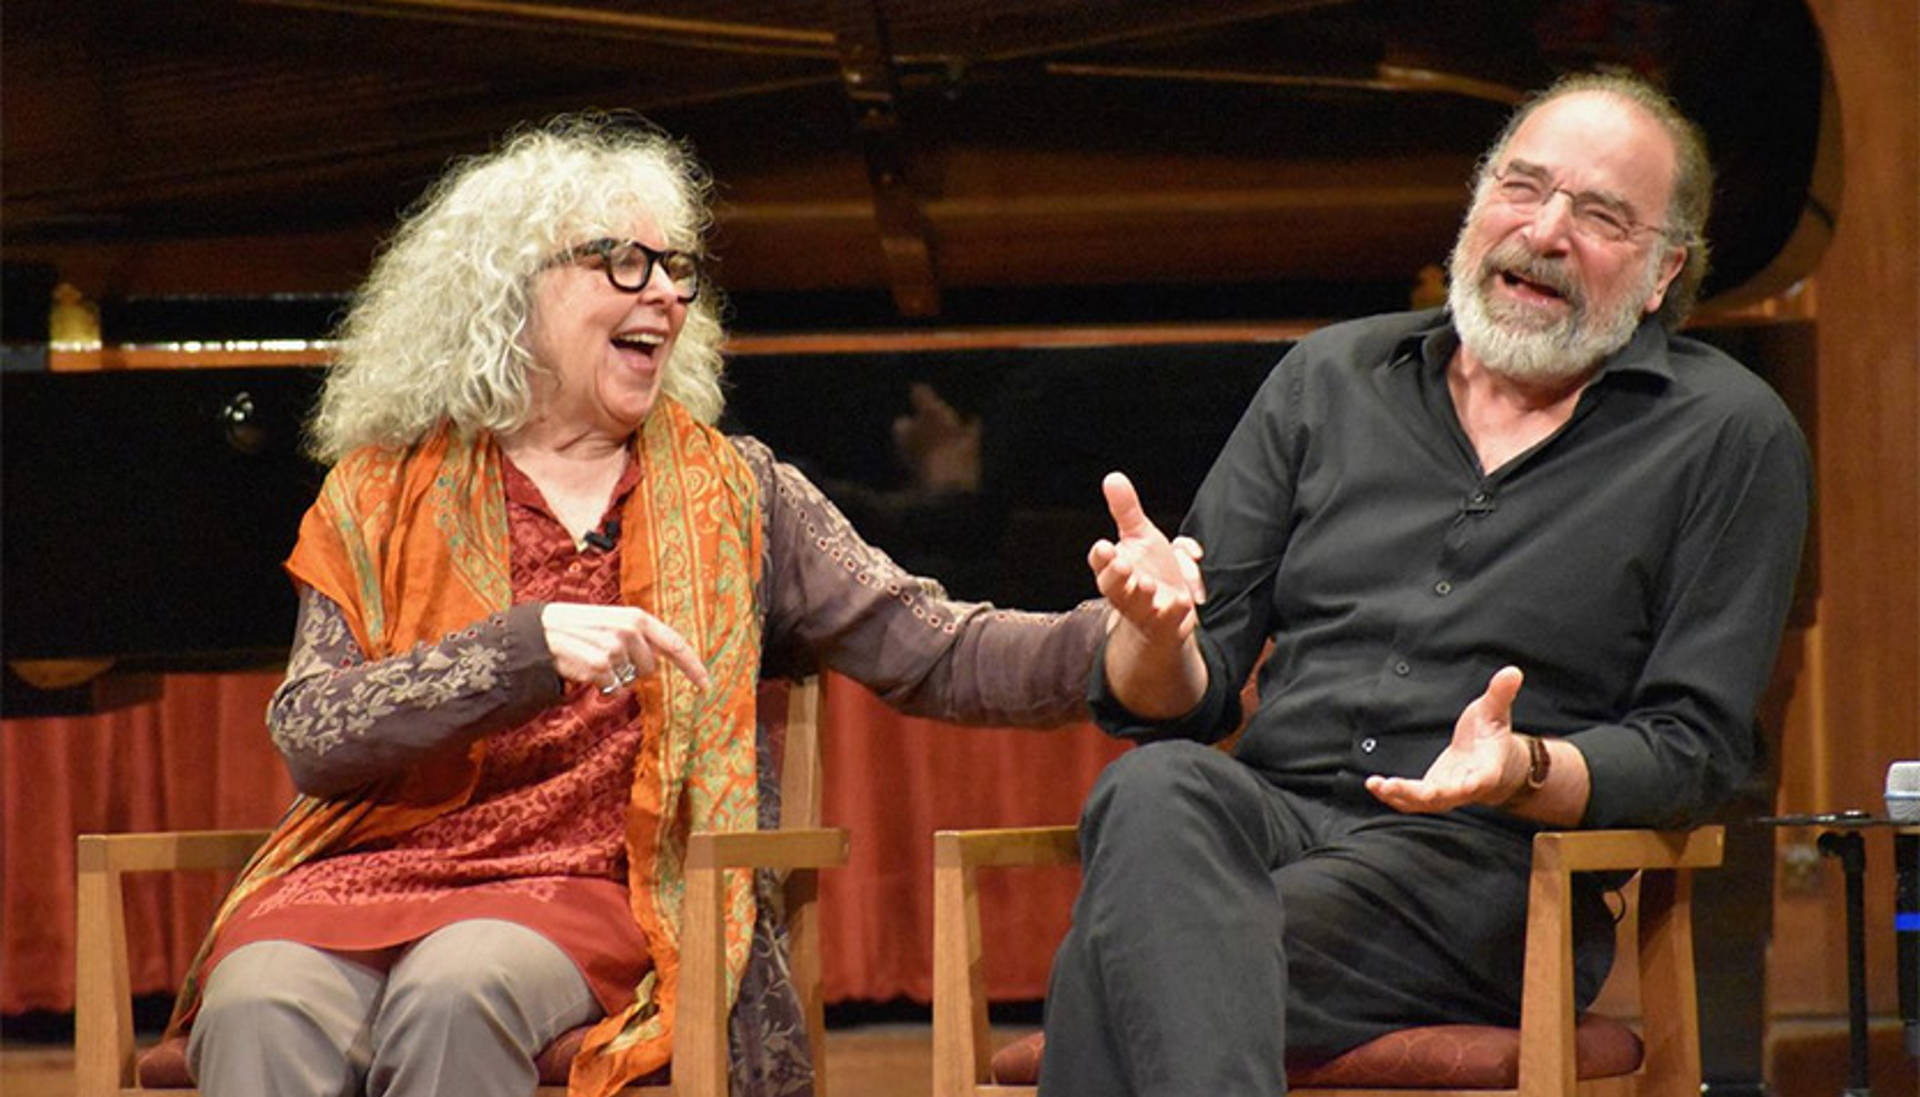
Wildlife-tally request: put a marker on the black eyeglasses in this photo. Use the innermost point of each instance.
(629, 265)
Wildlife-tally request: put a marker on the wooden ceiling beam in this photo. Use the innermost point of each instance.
(1193, 202)
(1386, 78)
(692, 33)
(872, 86)
(1187, 20)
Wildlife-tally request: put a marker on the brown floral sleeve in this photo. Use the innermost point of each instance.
(830, 598)
(340, 720)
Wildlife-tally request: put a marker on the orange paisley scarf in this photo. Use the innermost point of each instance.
(412, 545)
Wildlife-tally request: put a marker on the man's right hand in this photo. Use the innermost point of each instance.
(1151, 582)
(1154, 587)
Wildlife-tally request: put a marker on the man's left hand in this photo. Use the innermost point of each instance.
(1484, 764)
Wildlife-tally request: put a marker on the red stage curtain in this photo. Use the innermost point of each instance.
(892, 781)
(199, 758)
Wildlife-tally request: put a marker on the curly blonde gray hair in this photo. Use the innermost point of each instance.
(435, 332)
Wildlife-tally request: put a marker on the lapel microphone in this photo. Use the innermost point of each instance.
(605, 537)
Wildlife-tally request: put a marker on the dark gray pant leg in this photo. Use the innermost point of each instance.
(1400, 920)
(1397, 920)
(1171, 981)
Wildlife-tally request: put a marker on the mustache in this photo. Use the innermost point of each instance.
(1514, 258)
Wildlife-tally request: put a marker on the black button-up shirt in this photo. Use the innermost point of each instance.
(1637, 565)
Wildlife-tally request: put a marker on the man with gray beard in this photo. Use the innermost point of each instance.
(1539, 483)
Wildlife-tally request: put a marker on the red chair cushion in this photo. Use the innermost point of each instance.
(1431, 1057)
(164, 1066)
(556, 1060)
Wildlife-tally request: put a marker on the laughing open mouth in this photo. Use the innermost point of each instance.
(1516, 281)
(645, 342)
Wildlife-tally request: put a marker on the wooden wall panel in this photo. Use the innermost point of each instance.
(1863, 674)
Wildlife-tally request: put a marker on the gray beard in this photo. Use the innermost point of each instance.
(1519, 346)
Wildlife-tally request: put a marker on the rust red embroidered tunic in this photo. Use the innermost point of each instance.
(540, 843)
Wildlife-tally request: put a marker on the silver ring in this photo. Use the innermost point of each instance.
(623, 675)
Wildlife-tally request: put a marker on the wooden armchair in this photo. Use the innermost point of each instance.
(106, 1060)
(1551, 1054)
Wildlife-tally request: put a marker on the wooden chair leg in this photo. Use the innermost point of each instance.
(103, 1039)
(1669, 996)
(1547, 1000)
(960, 1032)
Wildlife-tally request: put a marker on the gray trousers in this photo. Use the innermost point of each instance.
(461, 1011)
(1225, 926)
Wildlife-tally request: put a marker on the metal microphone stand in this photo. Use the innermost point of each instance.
(1841, 838)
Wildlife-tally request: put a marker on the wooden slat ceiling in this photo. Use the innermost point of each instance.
(927, 154)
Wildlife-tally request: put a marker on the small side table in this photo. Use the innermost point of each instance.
(1841, 837)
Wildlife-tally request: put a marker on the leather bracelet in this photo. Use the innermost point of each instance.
(1539, 762)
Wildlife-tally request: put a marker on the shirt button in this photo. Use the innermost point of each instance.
(1443, 588)
(1481, 497)
(1367, 745)
(1402, 669)
(573, 568)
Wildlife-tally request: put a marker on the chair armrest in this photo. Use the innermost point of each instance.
(102, 986)
(1665, 953)
(162, 851)
(800, 847)
(1601, 850)
(1029, 846)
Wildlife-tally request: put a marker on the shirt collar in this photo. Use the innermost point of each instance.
(1435, 340)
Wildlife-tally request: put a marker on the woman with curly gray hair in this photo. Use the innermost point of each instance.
(537, 593)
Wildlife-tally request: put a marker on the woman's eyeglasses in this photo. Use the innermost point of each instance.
(629, 265)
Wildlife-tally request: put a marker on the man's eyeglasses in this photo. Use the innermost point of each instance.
(1594, 216)
(629, 265)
